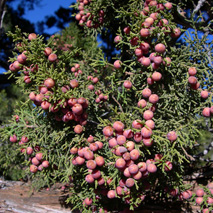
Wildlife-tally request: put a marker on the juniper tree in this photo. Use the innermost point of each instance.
(118, 131)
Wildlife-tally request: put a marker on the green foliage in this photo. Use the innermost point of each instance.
(10, 161)
(8, 97)
(83, 104)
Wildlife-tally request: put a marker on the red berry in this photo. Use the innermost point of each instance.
(112, 142)
(74, 150)
(134, 154)
(142, 103)
(121, 139)
(74, 83)
(206, 112)
(117, 39)
(142, 166)
(99, 160)
(144, 32)
(167, 61)
(24, 139)
(210, 200)
(33, 168)
(168, 5)
(95, 80)
(111, 194)
(152, 168)
(127, 84)
(16, 65)
(149, 21)
(192, 80)
(45, 105)
(137, 124)
(186, 194)
(117, 64)
(89, 178)
(21, 58)
(145, 61)
(40, 167)
(27, 79)
(96, 174)
(45, 164)
(153, 98)
(77, 109)
(88, 201)
(91, 87)
(146, 132)
(160, 48)
(130, 182)
(127, 30)
(150, 81)
(192, 71)
(134, 41)
(88, 154)
(79, 160)
(128, 133)
(138, 52)
(29, 150)
(157, 59)
(91, 164)
(130, 145)
(108, 131)
(144, 46)
(32, 36)
(168, 167)
(93, 147)
(49, 83)
(204, 94)
(148, 142)
(195, 86)
(35, 161)
(13, 139)
(210, 186)
(137, 137)
(78, 129)
(52, 57)
(12, 68)
(150, 124)
(156, 76)
(176, 33)
(118, 126)
(120, 163)
(206, 210)
(146, 93)
(39, 156)
(148, 115)
(199, 200)
(133, 169)
(154, 16)
(172, 136)
(47, 51)
(200, 192)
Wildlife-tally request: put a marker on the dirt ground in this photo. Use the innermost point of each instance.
(17, 197)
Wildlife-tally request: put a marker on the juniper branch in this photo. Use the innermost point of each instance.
(199, 5)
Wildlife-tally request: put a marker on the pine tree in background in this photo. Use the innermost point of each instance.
(122, 134)
(10, 161)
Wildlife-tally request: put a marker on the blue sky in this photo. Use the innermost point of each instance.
(45, 8)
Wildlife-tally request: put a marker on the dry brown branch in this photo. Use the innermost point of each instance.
(118, 103)
(189, 156)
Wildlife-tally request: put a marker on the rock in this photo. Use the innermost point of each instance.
(17, 197)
